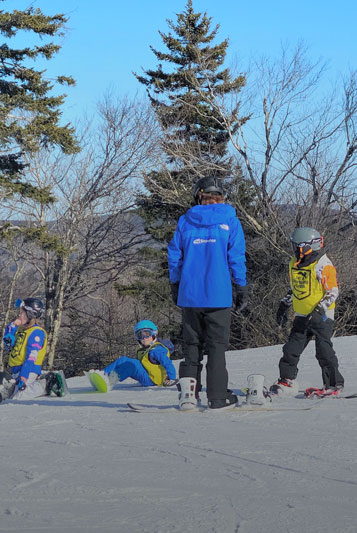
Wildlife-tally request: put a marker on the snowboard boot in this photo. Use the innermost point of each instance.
(113, 379)
(7, 386)
(226, 403)
(313, 392)
(187, 394)
(54, 384)
(257, 394)
(285, 387)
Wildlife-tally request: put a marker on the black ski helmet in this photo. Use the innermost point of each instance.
(34, 307)
(210, 184)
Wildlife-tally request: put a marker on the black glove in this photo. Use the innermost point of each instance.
(282, 314)
(241, 298)
(174, 292)
(319, 313)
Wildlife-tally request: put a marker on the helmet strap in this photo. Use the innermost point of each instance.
(303, 252)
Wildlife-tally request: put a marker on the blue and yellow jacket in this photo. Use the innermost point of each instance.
(157, 363)
(155, 359)
(27, 349)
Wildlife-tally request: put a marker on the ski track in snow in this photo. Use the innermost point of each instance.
(85, 463)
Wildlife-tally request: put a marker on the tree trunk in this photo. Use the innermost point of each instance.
(55, 289)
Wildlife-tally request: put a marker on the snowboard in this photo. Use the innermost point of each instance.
(153, 408)
(98, 381)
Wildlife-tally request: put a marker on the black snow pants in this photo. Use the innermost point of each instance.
(206, 330)
(303, 330)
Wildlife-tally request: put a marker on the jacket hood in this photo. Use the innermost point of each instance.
(210, 215)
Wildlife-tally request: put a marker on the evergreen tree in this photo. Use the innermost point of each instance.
(29, 114)
(195, 139)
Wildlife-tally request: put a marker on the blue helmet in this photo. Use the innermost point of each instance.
(145, 325)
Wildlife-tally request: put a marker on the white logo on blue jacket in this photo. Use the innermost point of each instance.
(203, 241)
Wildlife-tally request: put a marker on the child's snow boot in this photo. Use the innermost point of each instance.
(285, 387)
(7, 386)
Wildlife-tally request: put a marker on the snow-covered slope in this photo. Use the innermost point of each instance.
(84, 463)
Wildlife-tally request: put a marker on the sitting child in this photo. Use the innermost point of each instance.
(152, 365)
(26, 342)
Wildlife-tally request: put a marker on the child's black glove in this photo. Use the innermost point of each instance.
(241, 298)
(174, 292)
(282, 314)
(319, 312)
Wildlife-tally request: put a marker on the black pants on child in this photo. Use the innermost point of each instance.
(206, 330)
(303, 330)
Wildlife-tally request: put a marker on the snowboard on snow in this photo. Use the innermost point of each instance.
(153, 408)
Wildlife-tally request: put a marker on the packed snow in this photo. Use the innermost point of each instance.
(84, 463)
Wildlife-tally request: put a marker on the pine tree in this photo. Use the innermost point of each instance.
(29, 113)
(195, 139)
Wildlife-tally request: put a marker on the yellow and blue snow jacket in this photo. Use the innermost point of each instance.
(157, 363)
(28, 349)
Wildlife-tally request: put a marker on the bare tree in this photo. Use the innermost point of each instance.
(298, 154)
(94, 232)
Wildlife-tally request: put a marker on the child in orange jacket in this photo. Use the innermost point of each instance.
(313, 294)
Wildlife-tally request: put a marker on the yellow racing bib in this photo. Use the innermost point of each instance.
(17, 356)
(307, 289)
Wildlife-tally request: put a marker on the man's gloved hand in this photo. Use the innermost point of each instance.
(241, 298)
(174, 292)
(169, 382)
(282, 314)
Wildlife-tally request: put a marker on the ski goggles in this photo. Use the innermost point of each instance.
(144, 334)
(308, 243)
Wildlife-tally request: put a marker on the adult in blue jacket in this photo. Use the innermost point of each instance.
(206, 252)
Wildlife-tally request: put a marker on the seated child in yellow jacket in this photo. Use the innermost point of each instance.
(26, 342)
(152, 365)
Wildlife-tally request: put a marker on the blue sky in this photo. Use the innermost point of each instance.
(106, 41)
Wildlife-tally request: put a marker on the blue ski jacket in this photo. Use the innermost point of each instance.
(207, 249)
